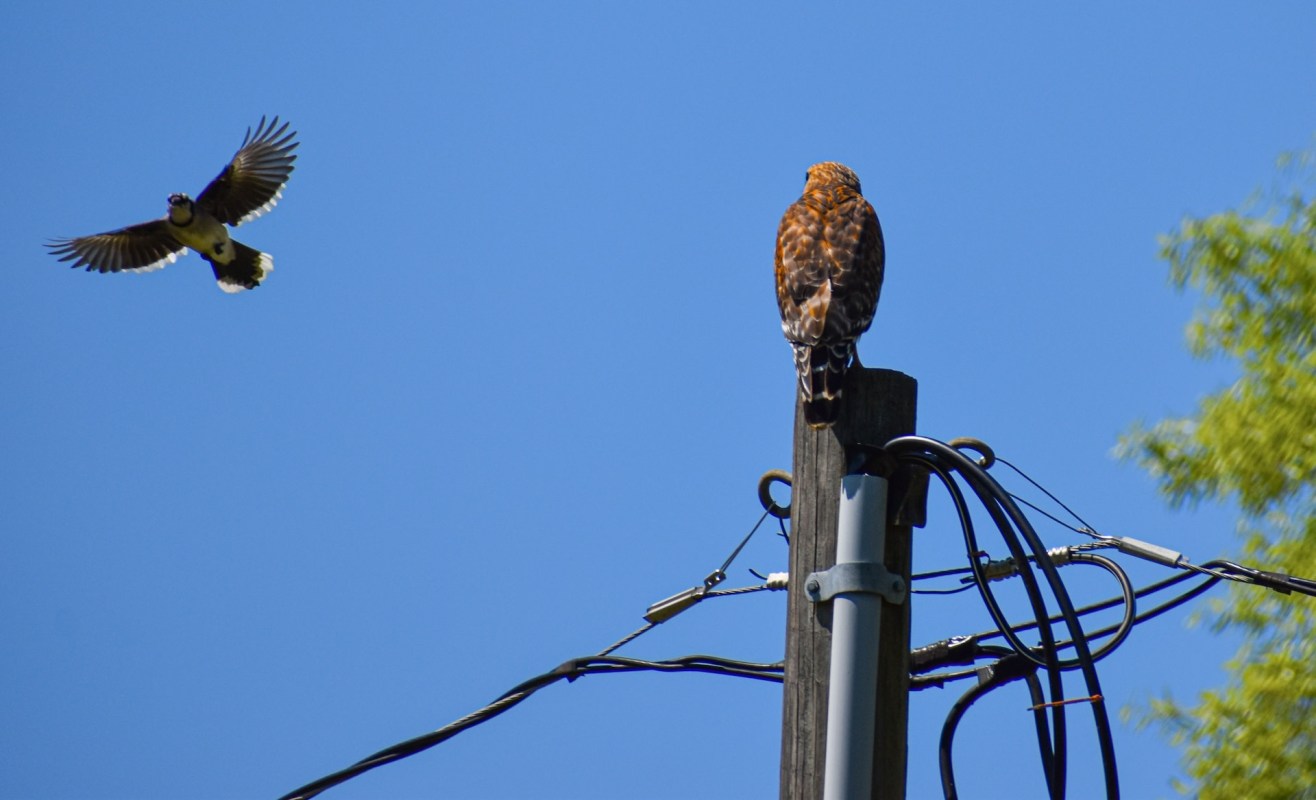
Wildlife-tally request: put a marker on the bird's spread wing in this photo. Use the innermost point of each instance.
(137, 248)
(253, 181)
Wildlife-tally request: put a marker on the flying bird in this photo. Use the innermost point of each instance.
(830, 260)
(247, 187)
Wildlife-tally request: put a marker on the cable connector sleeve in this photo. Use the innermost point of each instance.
(1007, 568)
(1274, 580)
(1006, 669)
(948, 652)
(1000, 570)
(1148, 551)
(777, 580)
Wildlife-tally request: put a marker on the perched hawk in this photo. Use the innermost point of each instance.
(249, 186)
(830, 257)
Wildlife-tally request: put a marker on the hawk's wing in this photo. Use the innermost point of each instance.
(253, 181)
(858, 256)
(137, 248)
(829, 269)
(803, 291)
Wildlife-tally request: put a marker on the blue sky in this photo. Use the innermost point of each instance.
(518, 367)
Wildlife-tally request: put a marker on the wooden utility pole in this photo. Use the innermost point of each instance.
(877, 405)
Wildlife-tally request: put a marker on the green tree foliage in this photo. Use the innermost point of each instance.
(1254, 444)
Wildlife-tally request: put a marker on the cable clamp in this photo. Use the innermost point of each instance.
(855, 578)
(669, 607)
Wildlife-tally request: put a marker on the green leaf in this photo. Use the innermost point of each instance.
(1253, 443)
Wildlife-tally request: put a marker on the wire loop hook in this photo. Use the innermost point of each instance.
(765, 492)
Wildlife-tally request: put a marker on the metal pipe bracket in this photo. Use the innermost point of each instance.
(855, 578)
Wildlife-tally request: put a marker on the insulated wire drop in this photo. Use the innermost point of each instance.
(1014, 660)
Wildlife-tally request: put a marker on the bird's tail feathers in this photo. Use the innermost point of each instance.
(821, 369)
(246, 270)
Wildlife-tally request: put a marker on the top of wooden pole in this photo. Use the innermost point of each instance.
(877, 405)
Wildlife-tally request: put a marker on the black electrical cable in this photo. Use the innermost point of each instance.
(1007, 516)
(714, 665)
(1128, 594)
(932, 455)
(980, 579)
(1105, 739)
(1128, 597)
(924, 681)
(1076, 554)
(1207, 583)
(1277, 581)
(957, 590)
(1020, 661)
(941, 573)
(951, 651)
(1214, 571)
(1010, 666)
(919, 681)
(1055, 773)
(1226, 569)
(569, 670)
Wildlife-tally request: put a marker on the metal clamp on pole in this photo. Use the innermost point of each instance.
(855, 577)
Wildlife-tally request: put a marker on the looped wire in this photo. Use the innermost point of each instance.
(977, 446)
(765, 492)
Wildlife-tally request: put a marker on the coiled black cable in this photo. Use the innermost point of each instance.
(940, 458)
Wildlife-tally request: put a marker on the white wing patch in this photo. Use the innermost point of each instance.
(250, 215)
(161, 264)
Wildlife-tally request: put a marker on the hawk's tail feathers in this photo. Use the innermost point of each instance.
(247, 269)
(822, 373)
